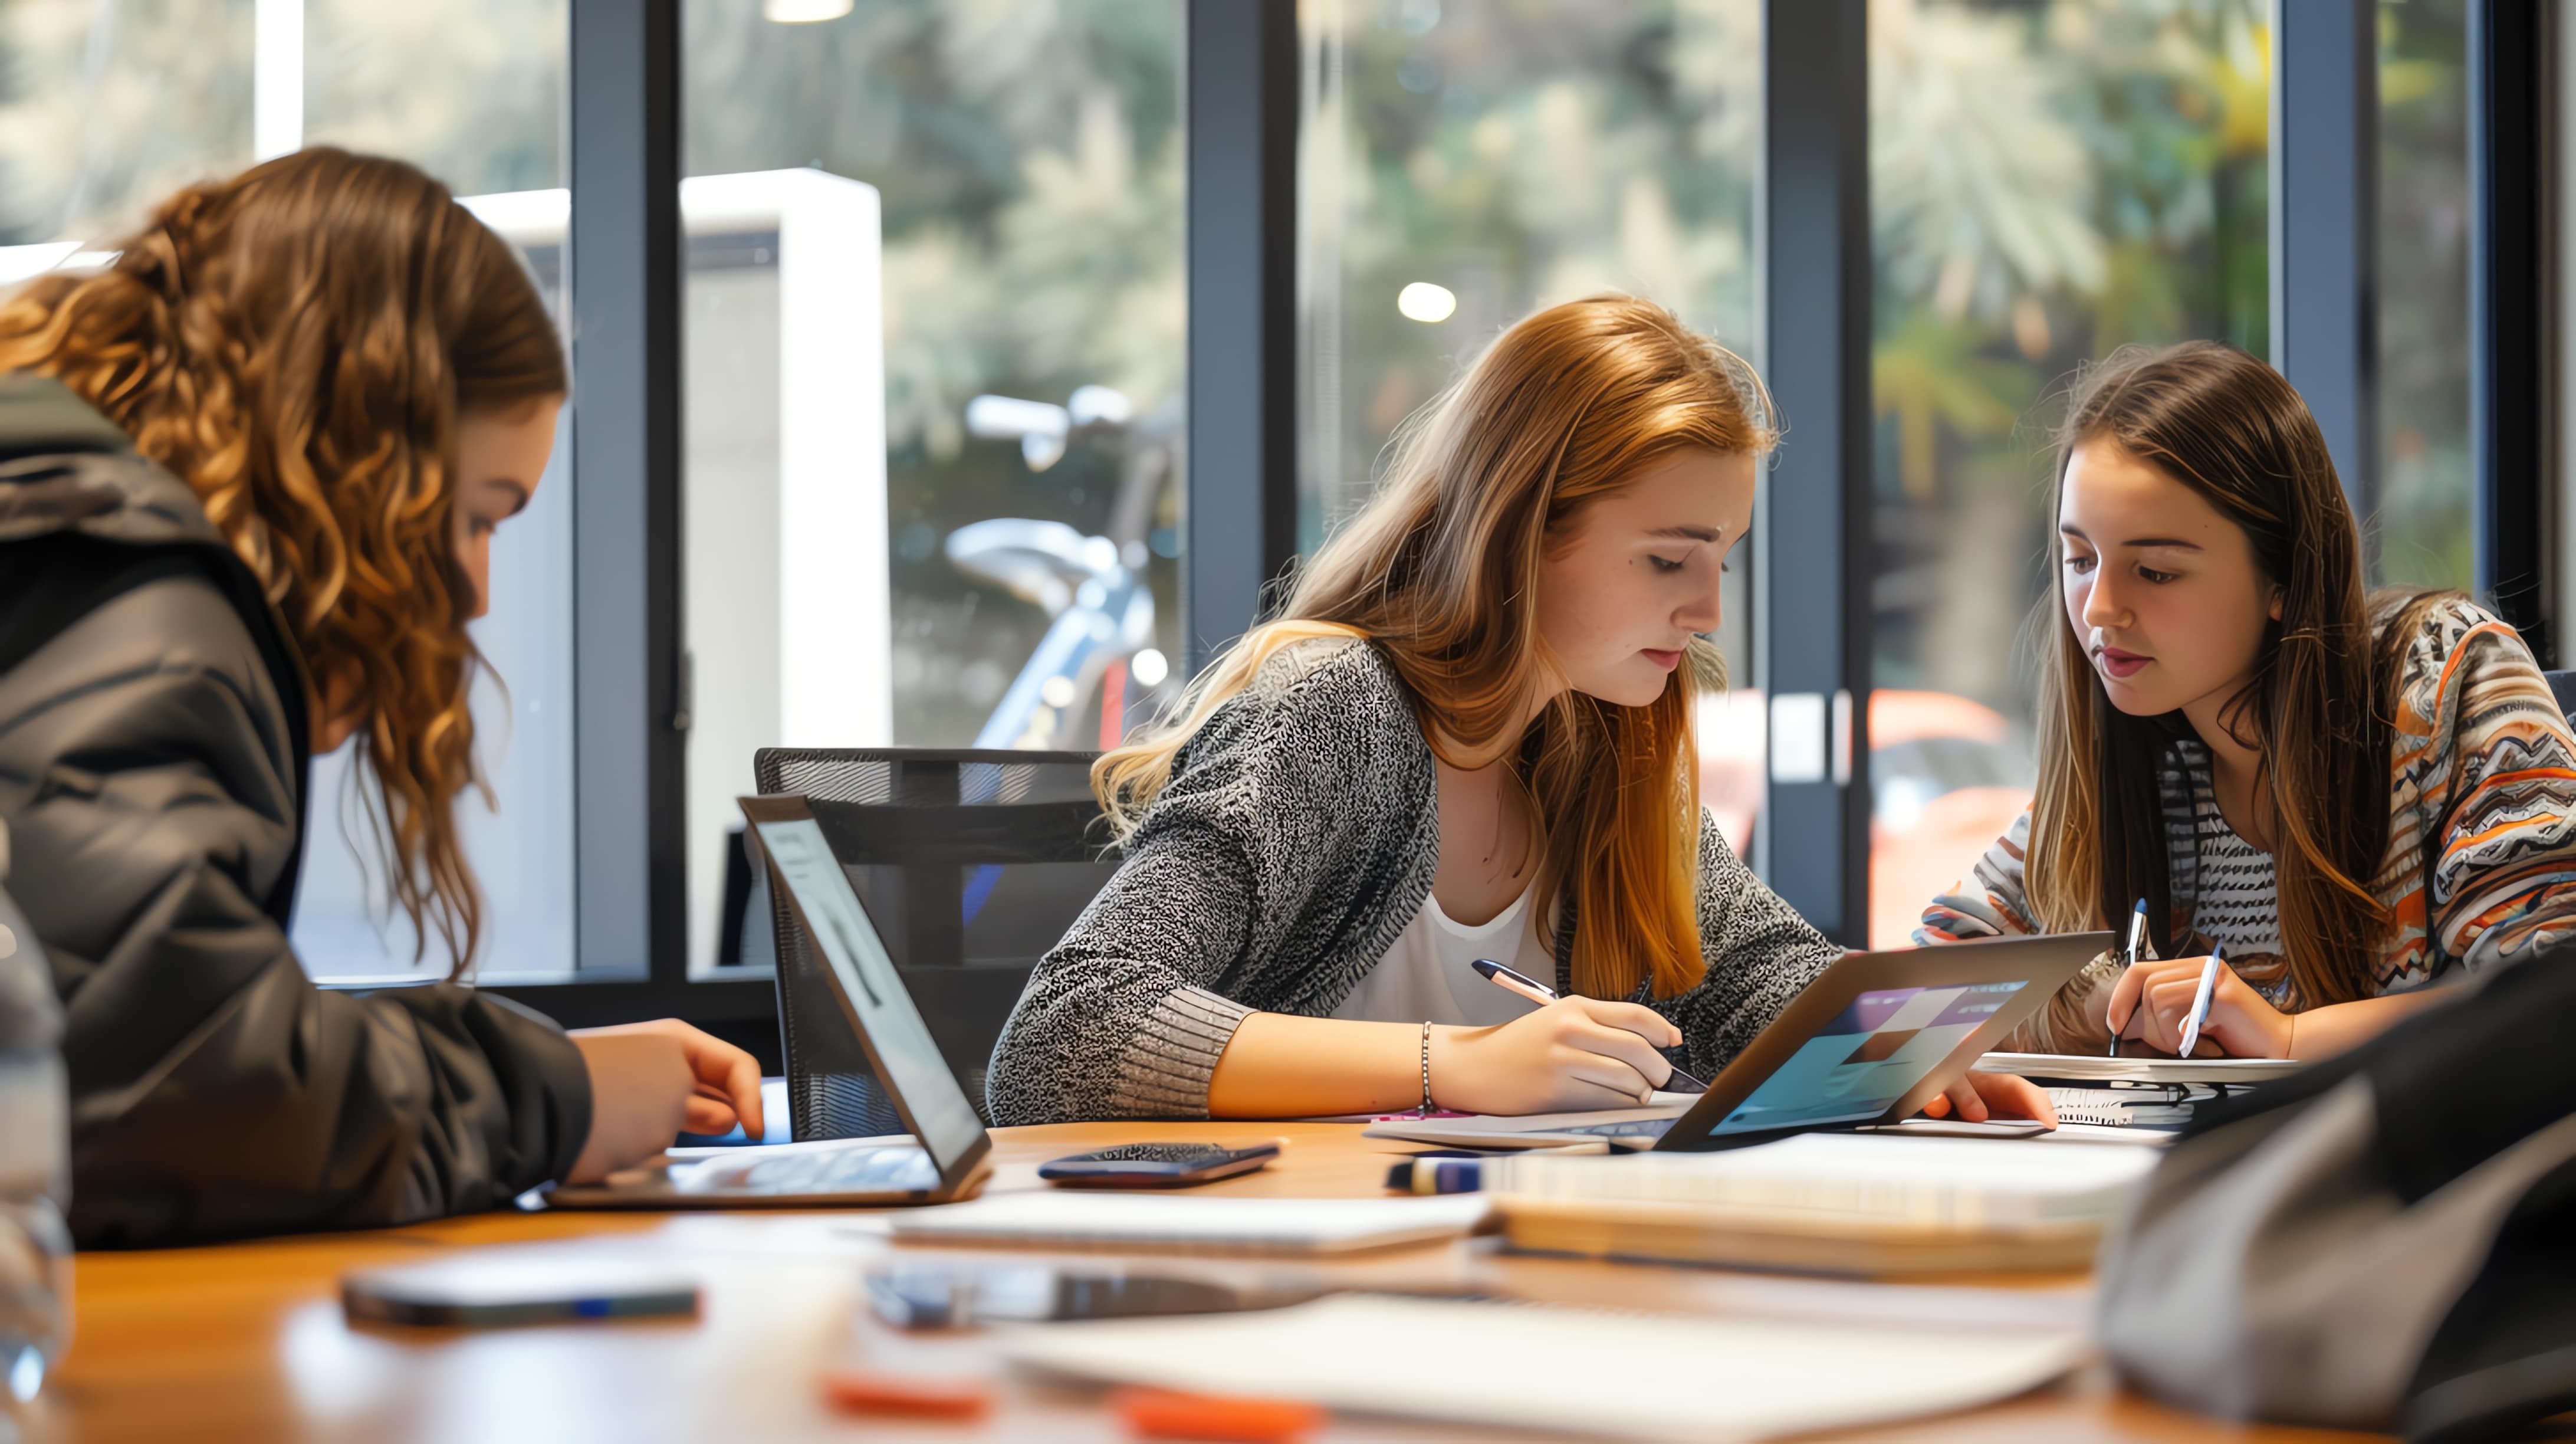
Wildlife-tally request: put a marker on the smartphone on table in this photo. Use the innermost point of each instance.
(956, 1295)
(1157, 1165)
(505, 1288)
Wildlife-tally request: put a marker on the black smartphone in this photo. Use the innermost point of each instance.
(1157, 1165)
(959, 1296)
(502, 1289)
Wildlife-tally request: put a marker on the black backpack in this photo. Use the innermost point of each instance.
(2387, 1240)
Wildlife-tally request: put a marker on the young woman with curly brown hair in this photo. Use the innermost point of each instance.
(249, 476)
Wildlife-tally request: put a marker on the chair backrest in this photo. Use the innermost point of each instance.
(2562, 685)
(972, 864)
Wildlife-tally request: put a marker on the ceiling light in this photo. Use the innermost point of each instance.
(1425, 302)
(803, 12)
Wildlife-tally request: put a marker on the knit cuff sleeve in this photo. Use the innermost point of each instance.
(1165, 1071)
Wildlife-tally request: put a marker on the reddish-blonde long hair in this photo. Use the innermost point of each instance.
(1440, 571)
(298, 343)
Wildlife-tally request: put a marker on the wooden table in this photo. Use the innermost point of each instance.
(247, 1341)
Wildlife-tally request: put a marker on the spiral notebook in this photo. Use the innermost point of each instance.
(2122, 1108)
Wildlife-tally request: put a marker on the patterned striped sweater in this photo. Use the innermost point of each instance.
(2481, 863)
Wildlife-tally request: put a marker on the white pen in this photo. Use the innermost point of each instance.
(2199, 1004)
(1511, 980)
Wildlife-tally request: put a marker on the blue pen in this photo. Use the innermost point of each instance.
(2137, 935)
(1512, 980)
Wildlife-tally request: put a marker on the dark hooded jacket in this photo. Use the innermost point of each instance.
(153, 769)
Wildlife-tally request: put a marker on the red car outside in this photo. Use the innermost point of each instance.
(1947, 778)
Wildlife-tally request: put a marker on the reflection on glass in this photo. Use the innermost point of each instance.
(106, 108)
(2048, 182)
(1001, 464)
(471, 91)
(1464, 164)
(2422, 533)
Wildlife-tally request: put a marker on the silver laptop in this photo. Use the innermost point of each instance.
(946, 1159)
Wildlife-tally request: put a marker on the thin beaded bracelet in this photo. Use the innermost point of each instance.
(1426, 1067)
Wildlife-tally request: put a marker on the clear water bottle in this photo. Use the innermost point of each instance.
(35, 1172)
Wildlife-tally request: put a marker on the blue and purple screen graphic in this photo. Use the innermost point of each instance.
(1868, 1056)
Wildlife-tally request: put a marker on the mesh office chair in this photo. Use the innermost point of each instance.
(972, 865)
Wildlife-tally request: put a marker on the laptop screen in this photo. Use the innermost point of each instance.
(839, 926)
(1868, 1056)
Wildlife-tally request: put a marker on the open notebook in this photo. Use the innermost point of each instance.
(1158, 1222)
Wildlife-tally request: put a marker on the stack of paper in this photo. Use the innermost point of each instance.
(1832, 1202)
(2082, 1068)
(1559, 1370)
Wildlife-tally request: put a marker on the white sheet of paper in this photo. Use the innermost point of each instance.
(1206, 1225)
(2097, 1133)
(2143, 1070)
(1960, 1182)
(1557, 1369)
(1658, 1104)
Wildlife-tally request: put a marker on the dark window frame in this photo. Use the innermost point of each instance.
(624, 263)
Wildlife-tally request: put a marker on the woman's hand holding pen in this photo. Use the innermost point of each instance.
(1575, 1053)
(2153, 1000)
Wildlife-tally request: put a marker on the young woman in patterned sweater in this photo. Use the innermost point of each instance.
(1468, 735)
(2355, 800)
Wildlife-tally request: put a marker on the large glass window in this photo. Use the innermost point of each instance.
(2047, 182)
(472, 92)
(106, 107)
(2421, 536)
(935, 313)
(935, 348)
(1464, 164)
(113, 105)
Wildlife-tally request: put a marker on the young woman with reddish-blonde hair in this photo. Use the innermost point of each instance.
(1467, 734)
(249, 476)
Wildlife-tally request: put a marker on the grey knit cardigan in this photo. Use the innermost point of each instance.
(1296, 839)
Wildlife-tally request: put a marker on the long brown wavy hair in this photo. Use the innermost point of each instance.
(298, 343)
(1440, 570)
(2318, 707)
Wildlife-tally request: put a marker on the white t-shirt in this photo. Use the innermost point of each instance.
(1427, 975)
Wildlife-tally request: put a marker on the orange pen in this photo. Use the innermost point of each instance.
(870, 1391)
(1163, 1414)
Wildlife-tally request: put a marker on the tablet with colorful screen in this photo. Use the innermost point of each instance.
(1878, 1036)
(1870, 1041)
